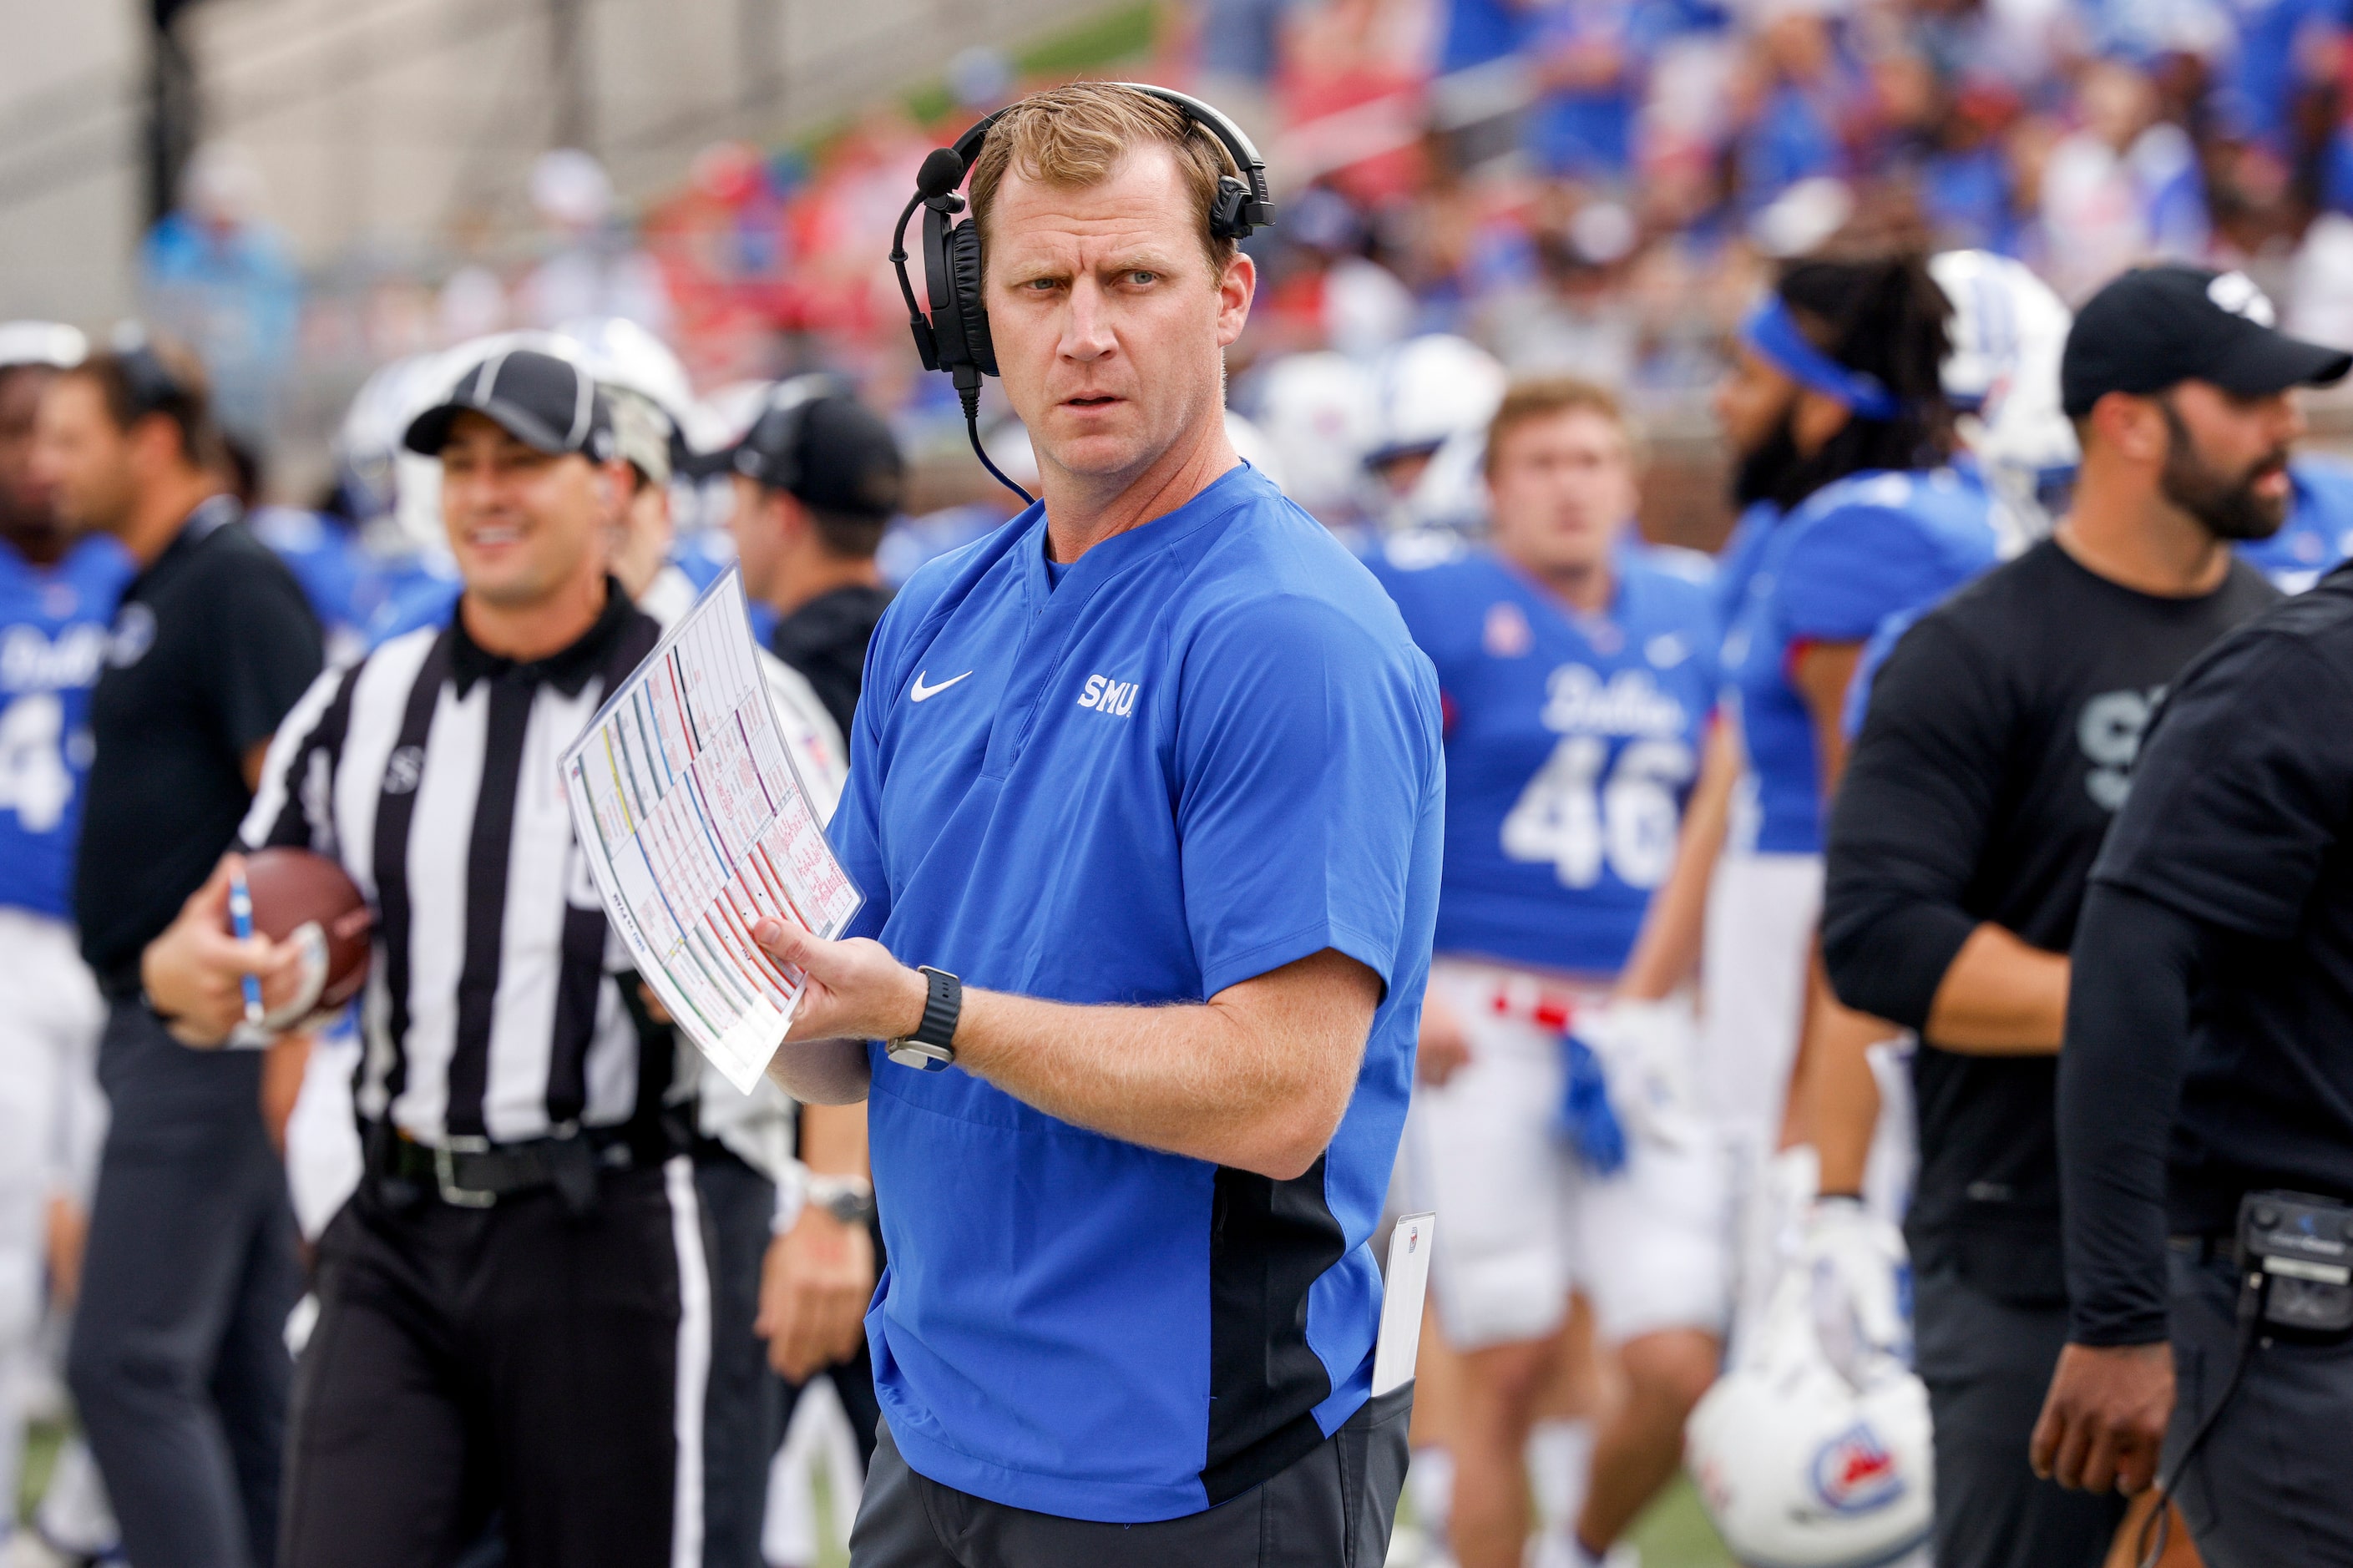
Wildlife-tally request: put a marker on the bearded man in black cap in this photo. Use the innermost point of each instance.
(2205, 1112)
(1999, 743)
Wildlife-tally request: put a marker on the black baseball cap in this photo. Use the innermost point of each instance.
(826, 449)
(542, 401)
(2154, 327)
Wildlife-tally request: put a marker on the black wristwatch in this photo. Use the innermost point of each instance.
(931, 1047)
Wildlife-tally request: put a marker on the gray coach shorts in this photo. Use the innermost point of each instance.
(2273, 1487)
(1331, 1510)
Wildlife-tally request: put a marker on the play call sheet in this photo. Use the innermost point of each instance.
(697, 827)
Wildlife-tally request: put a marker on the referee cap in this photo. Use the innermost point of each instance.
(547, 403)
(2155, 327)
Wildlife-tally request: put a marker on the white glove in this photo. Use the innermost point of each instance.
(1645, 1053)
(1856, 1263)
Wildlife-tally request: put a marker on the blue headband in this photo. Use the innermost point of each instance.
(1772, 332)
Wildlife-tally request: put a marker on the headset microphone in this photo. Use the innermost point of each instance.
(942, 171)
(954, 336)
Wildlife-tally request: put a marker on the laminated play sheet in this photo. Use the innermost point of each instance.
(697, 827)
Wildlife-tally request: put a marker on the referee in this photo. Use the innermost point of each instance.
(1998, 744)
(178, 1366)
(1156, 771)
(514, 1303)
(2208, 1070)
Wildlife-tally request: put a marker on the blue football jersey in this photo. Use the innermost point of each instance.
(1853, 554)
(54, 624)
(1571, 745)
(329, 563)
(2318, 533)
(424, 598)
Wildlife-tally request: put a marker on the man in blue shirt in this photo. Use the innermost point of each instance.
(1155, 769)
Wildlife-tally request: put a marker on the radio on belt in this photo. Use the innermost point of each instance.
(2304, 1246)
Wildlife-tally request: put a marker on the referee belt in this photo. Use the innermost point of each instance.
(472, 1172)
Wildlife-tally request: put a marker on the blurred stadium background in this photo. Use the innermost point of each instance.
(307, 189)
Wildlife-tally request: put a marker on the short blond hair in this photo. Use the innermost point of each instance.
(1073, 137)
(1544, 397)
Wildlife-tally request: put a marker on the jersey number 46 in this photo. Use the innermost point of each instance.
(1570, 815)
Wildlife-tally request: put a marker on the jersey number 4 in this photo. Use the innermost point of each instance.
(1571, 816)
(33, 782)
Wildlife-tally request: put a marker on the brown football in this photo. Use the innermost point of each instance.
(292, 889)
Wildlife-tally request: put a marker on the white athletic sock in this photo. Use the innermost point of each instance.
(1560, 1465)
(1430, 1476)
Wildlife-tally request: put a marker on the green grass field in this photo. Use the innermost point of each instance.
(1675, 1533)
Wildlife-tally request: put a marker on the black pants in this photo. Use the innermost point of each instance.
(178, 1363)
(1331, 1510)
(2273, 1487)
(517, 1357)
(1988, 1363)
(749, 1405)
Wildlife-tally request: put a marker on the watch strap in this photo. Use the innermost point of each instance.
(931, 1046)
(943, 1003)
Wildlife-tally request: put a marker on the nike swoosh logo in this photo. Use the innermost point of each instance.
(919, 691)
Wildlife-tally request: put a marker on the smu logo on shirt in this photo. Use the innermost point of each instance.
(31, 660)
(1105, 695)
(2109, 731)
(1578, 701)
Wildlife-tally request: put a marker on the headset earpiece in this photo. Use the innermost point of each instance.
(1225, 211)
(970, 302)
(959, 324)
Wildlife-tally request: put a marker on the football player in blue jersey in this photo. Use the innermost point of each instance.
(57, 595)
(1834, 403)
(1576, 679)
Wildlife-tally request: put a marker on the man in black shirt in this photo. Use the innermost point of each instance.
(2209, 1056)
(2000, 741)
(177, 1365)
(817, 477)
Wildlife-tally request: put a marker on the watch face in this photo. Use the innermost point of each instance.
(917, 1055)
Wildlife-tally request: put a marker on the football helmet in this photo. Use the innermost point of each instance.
(1802, 1468)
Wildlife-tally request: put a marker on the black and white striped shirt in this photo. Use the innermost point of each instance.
(494, 1005)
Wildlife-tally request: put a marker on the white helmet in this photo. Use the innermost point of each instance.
(1315, 410)
(1252, 446)
(727, 414)
(1429, 389)
(367, 447)
(620, 352)
(1801, 1469)
(51, 343)
(2002, 373)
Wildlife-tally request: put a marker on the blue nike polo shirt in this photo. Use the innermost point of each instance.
(1206, 748)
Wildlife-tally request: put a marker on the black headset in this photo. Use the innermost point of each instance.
(954, 337)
